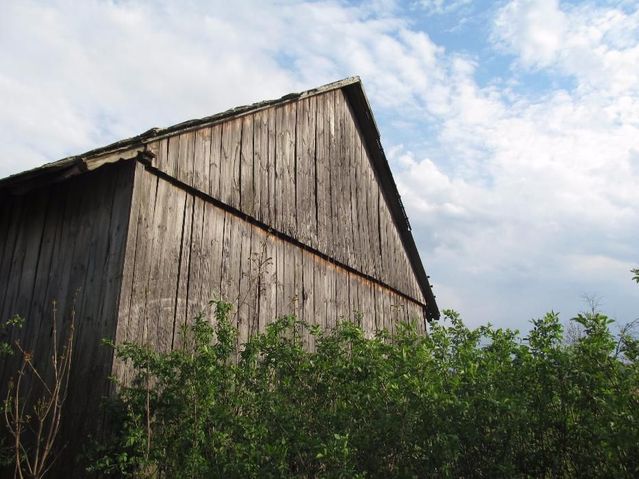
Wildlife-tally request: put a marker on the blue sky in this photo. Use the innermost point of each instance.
(512, 127)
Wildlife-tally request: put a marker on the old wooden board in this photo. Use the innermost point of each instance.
(307, 295)
(202, 159)
(230, 163)
(285, 193)
(247, 177)
(305, 173)
(215, 161)
(183, 287)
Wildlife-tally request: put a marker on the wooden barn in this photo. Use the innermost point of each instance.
(281, 207)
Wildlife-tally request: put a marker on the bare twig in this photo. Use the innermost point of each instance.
(34, 455)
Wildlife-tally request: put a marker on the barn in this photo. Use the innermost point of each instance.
(281, 207)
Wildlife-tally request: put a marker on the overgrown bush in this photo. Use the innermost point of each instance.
(459, 402)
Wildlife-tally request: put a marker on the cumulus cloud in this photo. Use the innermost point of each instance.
(596, 45)
(518, 199)
(545, 183)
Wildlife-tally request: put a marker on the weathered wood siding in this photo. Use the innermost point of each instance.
(185, 249)
(65, 242)
(302, 168)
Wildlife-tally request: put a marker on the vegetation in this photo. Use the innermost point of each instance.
(34, 402)
(460, 402)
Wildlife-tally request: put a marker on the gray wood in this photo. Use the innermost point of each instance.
(247, 180)
(281, 308)
(215, 161)
(130, 315)
(269, 204)
(261, 166)
(284, 194)
(268, 290)
(246, 280)
(167, 229)
(230, 163)
(259, 272)
(307, 296)
(199, 269)
(338, 192)
(183, 289)
(319, 292)
(306, 173)
(202, 159)
(172, 156)
(185, 157)
(323, 178)
(212, 241)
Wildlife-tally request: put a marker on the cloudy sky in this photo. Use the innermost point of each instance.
(512, 127)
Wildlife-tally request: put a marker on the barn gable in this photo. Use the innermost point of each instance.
(310, 167)
(282, 207)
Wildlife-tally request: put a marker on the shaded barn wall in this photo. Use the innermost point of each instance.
(184, 249)
(65, 242)
(303, 169)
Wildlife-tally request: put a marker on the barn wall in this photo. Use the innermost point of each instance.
(184, 250)
(65, 242)
(302, 168)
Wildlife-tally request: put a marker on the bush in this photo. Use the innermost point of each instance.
(458, 402)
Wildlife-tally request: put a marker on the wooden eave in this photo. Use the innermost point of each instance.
(135, 148)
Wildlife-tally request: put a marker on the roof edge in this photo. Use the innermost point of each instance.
(137, 142)
(135, 146)
(363, 112)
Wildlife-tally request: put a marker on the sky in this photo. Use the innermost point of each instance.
(511, 127)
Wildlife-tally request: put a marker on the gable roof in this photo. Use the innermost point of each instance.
(135, 147)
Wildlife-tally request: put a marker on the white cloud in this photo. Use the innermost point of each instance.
(596, 45)
(545, 184)
(518, 201)
(439, 7)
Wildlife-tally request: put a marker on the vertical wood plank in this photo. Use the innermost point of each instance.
(271, 202)
(166, 231)
(199, 268)
(231, 250)
(268, 291)
(260, 165)
(280, 270)
(355, 309)
(247, 184)
(260, 272)
(350, 211)
(139, 202)
(320, 294)
(230, 162)
(292, 273)
(284, 193)
(330, 281)
(362, 211)
(14, 218)
(247, 282)
(212, 240)
(215, 161)
(341, 295)
(134, 310)
(172, 156)
(305, 172)
(322, 162)
(308, 296)
(202, 160)
(161, 150)
(186, 157)
(338, 198)
(183, 292)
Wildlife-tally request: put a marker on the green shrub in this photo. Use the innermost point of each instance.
(458, 402)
